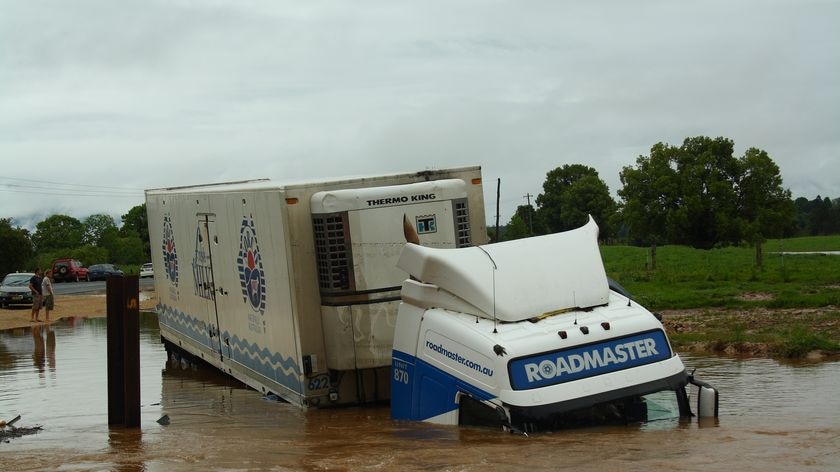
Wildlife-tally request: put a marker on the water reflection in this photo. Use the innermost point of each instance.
(774, 416)
(40, 354)
(43, 355)
(126, 445)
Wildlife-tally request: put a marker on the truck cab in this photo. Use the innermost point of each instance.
(529, 335)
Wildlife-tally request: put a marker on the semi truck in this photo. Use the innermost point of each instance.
(294, 288)
(358, 290)
(531, 335)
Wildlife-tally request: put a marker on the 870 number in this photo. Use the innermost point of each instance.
(401, 376)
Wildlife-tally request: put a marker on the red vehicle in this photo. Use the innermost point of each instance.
(64, 270)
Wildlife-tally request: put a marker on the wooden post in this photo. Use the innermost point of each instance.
(123, 351)
(653, 256)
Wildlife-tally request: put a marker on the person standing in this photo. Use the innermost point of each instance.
(37, 296)
(48, 294)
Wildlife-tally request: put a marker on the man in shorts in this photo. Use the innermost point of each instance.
(47, 292)
(37, 297)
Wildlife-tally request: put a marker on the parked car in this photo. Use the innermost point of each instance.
(103, 271)
(147, 270)
(14, 290)
(68, 269)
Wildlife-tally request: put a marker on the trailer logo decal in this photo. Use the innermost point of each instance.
(170, 255)
(426, 224)
(249, 261)
(202, 271)
(587, 361)
(401, 199)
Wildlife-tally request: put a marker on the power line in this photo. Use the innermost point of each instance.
(70, 185)
(61, 189)
(59, 193)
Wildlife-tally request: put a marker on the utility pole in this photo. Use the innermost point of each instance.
(530, 223)
(498, 196)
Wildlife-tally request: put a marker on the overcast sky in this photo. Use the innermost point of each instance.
(109, 98)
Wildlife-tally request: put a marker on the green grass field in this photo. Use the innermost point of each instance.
(728, 277)
(726, 284)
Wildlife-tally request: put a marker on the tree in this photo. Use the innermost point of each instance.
(136, 222)
(15, 247)
(95, 227)
(834, 216)
(765, 207)
(523, 223)
(123, 249)
(651, 194)
(572, 192)
(89, 255)
(707, 175)
(58, 232)
(129, 250)
(803, 216)
(699, 194)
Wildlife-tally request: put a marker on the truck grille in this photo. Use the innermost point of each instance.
(332, 245)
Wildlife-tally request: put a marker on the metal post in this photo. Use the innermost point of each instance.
(498, 195)
(123, 351)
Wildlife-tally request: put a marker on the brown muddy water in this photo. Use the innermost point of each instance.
(774, 416)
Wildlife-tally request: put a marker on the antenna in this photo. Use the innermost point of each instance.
(574, 303)
(495, 267)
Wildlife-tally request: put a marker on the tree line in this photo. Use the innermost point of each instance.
(697, 194)
(92, 240)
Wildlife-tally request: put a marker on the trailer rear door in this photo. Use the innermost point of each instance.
(205, 281)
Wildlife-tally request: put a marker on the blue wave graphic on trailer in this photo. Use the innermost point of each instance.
(259, 359)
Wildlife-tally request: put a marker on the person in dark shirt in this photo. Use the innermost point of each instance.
(37, 296)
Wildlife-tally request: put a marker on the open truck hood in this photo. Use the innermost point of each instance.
(512, 280)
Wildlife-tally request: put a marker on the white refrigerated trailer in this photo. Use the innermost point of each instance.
(294, 289)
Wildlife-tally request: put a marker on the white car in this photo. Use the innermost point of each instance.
(14, 290)
(147, 270)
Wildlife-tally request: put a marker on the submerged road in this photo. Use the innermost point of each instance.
(93, 288)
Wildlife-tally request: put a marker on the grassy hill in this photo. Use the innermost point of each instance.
(790, 307)
(727, 277)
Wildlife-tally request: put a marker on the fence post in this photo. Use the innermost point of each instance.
(123, 310)
(653, 256)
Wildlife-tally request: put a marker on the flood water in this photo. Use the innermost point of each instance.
(773, 416)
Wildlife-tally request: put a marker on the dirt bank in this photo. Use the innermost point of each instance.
(812, 333)
(68, 305)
